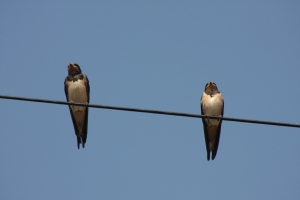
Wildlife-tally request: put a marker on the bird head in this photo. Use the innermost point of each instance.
(210, 87)
(73, 68)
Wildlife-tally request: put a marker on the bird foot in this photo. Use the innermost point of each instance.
(207, 117)
(220, 117)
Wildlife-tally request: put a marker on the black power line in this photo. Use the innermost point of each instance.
(150, 111)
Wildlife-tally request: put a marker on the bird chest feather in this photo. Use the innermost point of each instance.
(212, 106)
(77, 94)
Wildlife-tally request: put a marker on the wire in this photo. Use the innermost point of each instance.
(150, 111)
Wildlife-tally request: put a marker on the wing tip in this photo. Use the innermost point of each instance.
(81, 140)
(214, 154)
(78, 142)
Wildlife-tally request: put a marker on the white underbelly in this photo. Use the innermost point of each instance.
(77, 94)
(212, 106)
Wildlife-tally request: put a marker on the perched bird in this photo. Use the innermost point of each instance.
(77, 90)
(212, 104)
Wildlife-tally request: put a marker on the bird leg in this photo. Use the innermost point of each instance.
(71, 104)
(220, 117)
(207, 116)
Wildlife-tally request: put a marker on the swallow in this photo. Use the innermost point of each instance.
(77, 90)
(212, 104)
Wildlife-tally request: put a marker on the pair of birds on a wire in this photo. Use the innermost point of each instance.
(77, 90)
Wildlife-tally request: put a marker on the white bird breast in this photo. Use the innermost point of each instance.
(77, 94)
(212, 106)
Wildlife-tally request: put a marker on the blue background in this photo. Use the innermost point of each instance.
(153, 55)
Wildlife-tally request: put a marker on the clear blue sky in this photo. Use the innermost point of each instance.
(152, 55)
